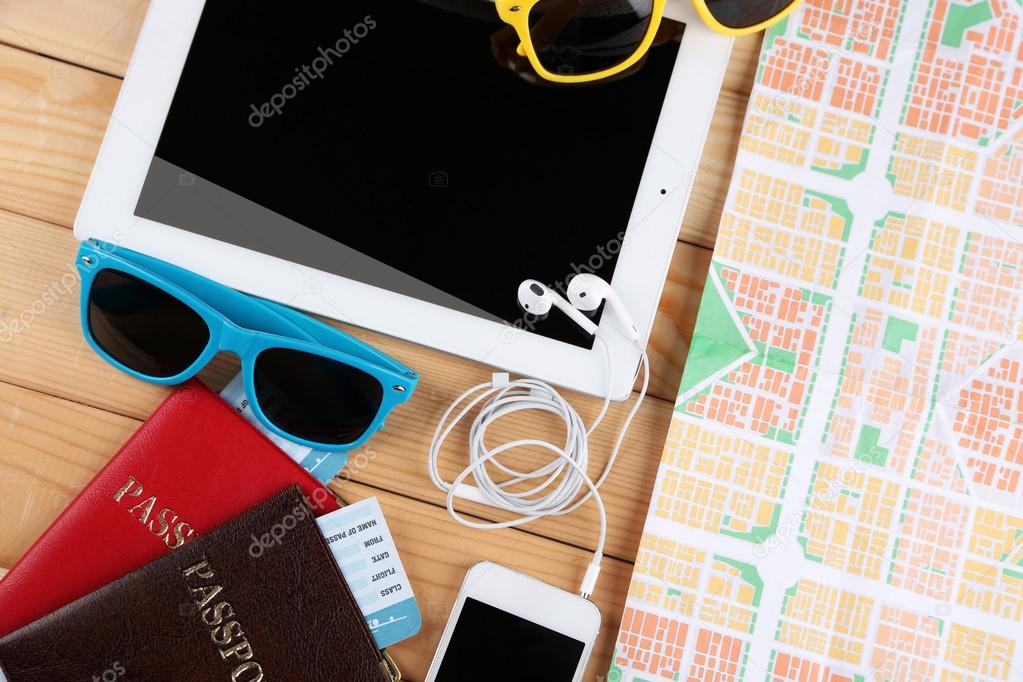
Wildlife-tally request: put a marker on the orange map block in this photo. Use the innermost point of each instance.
(866, 27)
(1000, 195)
(651, 643)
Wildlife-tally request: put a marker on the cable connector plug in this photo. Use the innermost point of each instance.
(590, 580)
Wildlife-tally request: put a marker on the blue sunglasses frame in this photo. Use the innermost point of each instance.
(246, 326)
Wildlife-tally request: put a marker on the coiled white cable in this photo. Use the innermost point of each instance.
(561, 481)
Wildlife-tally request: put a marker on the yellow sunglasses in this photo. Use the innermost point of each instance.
(576, 41)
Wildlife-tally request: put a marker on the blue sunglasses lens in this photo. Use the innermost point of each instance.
(316, 398)
(143, 327)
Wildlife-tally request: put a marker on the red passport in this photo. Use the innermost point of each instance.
(192, 466)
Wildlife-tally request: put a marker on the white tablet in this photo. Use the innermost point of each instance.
(394, 165)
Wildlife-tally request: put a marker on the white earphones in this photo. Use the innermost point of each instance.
(537, 299)
(564, 483)
(586, 292)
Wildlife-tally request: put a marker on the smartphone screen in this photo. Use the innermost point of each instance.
(491, 644)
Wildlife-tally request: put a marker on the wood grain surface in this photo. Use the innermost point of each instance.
(64, 412)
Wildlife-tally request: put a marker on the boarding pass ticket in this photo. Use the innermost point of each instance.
(363, 548)
(358, 537)
(322, 465)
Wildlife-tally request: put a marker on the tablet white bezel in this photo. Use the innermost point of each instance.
(527, 598)
(107, 213)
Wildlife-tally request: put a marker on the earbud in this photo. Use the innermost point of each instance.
(537, 299)
(586, 292)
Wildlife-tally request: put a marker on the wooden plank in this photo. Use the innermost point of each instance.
(53, 116)
(52, 120)
(710, 187)
(98, 34)
(742, 68)
(49, 450)
(42, 348)
(43, 467)
(675, 320)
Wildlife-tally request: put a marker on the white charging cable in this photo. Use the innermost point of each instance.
(560, 484)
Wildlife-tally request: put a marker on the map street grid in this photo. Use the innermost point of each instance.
(840, 496)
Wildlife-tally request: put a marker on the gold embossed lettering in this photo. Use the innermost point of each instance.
(182, 533)
(124, 489)
(221, 611)
(230, 637)
(147, 508)
(242, 651)
(164, 522)
(226, 635)
(250, 667)
(202, 569)
(205, 594)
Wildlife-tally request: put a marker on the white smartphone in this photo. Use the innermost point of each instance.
(508, 627)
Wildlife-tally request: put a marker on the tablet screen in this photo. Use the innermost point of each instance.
(405, 145)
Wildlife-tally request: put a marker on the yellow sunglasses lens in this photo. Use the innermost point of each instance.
(580, 37)
(740, 14)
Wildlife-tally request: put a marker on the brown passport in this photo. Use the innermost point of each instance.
(210, 610)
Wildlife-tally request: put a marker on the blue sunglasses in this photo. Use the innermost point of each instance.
(307, 381)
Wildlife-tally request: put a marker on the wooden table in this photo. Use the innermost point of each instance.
(64, 412)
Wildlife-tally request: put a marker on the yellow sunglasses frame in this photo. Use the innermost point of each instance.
(708, 18)
(515, 13)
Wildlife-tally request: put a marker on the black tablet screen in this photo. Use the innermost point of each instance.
(402, 144)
